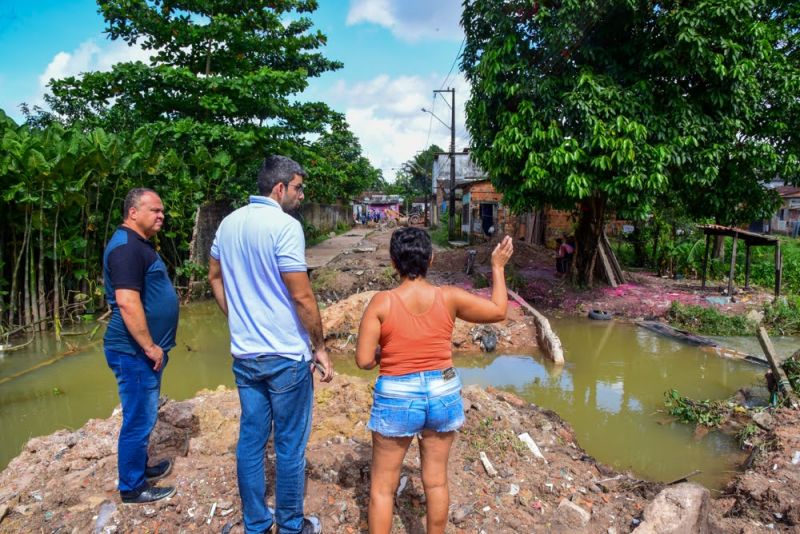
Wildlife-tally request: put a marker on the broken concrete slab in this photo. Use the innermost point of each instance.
(680, 508)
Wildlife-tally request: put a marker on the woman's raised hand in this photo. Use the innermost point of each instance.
(502, 252)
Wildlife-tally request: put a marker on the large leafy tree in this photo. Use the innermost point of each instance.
(413, 178)
(222, 74)
(611, 105)
(337, 169)
(419, 169)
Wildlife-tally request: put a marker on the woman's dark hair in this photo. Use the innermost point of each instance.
(411, 249)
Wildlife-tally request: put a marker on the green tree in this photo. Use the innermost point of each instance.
(222, 75)
(337, 169)
(610, 105)
(418, 171)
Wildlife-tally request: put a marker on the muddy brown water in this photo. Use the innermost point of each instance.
(611, 389)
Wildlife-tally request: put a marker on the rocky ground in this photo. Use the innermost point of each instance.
(66, 482)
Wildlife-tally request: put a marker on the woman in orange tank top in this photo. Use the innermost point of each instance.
(407, 331)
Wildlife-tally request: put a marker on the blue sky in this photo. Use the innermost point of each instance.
(395, 53)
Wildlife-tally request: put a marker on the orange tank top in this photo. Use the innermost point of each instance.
(411, 343)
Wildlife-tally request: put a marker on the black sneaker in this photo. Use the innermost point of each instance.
(147, 495)
(311, 525)
(158, 471)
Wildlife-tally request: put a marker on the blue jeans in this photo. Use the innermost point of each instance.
(408, 404)
(273, 391)
(139, 388)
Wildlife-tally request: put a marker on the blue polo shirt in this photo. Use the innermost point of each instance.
(254, 245)
(131, 262)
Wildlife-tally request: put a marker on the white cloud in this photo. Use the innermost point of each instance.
(89, 56)
(385, 113)
(410, 20)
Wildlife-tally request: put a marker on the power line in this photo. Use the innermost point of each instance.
(430, 121)
(458, 55)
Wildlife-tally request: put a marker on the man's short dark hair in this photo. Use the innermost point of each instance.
(133, 199)
(275, 170)
(411, 250)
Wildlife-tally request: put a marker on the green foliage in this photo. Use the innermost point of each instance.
(782, 317)
(707, 320)
(514, 280)
(191, 270)
(414, 177)
(221, 75)
(634, 107)
(439, 234)
(705, 412)
(193, 122)
(746, 433)
(791, 366)
(323, 280)
(479, 281)
(337, 169)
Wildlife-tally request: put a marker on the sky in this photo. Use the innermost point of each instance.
(395, 53)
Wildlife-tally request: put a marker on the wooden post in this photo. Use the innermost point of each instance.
(733, 265)
(747, 265)
(784, 386)
(606, 265)
(705, 260)
(548, 340)
(778, 269)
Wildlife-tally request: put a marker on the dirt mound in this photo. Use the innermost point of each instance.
(66, 481)
(525, 256)
(340, 323)
(340, 320)
(767, 493)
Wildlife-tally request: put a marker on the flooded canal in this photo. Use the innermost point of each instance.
(610, 390)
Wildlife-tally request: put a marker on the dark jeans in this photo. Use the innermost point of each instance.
(139, 388)
(273, 391)
(563, 264)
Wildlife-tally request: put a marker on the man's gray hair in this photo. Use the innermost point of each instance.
(133, 199)
(275, 170)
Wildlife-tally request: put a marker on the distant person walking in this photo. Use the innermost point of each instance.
(144, 319)
(259, 279)
(564, 253)
(407, 332)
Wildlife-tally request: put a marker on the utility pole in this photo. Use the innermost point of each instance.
(451, 232)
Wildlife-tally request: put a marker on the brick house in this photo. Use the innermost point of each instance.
(483, 214)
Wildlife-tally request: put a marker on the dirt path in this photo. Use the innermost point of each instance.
(322, 253)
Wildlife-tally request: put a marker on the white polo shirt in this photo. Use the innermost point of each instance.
(254, 245)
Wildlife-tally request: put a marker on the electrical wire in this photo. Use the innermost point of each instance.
(458, 55)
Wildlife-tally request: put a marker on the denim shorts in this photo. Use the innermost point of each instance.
(408, 404)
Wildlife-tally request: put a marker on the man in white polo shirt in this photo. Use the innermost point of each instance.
(259, 279)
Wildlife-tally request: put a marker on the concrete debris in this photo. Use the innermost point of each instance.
(461, 513)
(764, 420)
(528, 440)
(572, 515)
(679, 508)
(490, 470)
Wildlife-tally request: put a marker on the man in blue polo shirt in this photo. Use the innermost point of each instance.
(144, 318)
(259, 279)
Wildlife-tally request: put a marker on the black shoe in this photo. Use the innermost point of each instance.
(147, 495)
(311, 525)
(158, 471)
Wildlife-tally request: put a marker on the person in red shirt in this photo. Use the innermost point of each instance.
(407, 332)
(564, 253)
